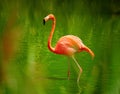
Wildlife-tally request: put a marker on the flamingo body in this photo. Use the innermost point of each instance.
(68, 45)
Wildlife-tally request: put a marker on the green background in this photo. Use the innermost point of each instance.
(28, 67)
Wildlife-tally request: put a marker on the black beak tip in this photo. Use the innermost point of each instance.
(43, 21)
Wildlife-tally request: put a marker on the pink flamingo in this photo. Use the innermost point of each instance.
(67, 45)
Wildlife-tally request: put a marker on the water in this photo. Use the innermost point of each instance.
(28, 67)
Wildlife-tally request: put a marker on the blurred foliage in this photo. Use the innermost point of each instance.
(28, 67)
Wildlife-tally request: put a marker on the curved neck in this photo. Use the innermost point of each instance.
(51, 34)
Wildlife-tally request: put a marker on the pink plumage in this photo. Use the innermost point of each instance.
(67, 45)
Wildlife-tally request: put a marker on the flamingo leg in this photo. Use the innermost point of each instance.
(80, 69)
(68, 69)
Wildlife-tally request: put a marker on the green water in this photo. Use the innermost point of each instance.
(28, 67)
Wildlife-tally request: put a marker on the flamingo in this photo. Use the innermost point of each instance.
(67, 45)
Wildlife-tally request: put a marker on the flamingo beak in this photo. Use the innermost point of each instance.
(44, 21)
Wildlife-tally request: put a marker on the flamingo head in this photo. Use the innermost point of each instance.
(48, 17)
